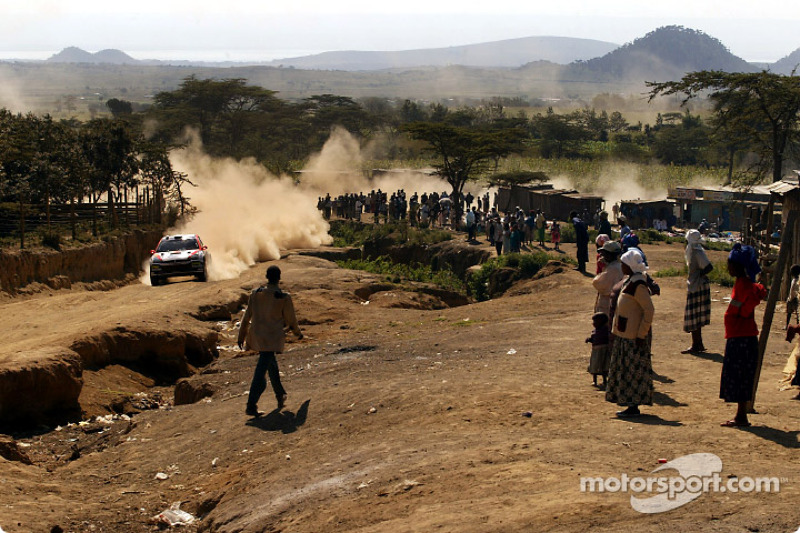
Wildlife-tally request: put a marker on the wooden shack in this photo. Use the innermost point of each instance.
(642, 213)
(725, 206)
(555, 203)
(786, 193)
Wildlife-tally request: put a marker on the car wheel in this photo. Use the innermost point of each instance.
(203, 276)
(154, 280)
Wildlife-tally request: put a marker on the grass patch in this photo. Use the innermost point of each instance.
(398, 272)
(719, 275)
(352, 233)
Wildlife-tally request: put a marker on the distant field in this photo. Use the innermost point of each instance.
(81, 90)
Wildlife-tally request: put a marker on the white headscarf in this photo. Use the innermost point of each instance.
(634, 260)
(693, 242)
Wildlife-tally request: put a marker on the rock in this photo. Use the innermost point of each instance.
(209, 313)
(59, 282)
(188, 391)
(10, 451)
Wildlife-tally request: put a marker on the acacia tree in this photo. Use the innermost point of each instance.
(762, 109)
(464, 152)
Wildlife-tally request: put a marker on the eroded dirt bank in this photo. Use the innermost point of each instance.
(110, 260)
(408, 419)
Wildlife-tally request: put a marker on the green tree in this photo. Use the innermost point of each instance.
(119, 107)
(761, 108)
(17, 161)
(465, 153)
(684, 143)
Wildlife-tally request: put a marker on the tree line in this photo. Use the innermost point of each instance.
(753, 117)
(44, 162)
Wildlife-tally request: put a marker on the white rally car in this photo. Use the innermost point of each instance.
(179, 255)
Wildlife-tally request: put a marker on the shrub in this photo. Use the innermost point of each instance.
(527, 265)
(398, 272)
(352, 233)
(52, 240)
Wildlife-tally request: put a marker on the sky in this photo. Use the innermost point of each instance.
(250, 30)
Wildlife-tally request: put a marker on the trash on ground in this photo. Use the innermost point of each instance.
(161, 476)
(174, 516)
(512, 351)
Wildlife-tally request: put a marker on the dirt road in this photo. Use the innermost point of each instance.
(402, 419)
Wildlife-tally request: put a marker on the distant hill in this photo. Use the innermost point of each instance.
(507, 53)
(74, 54)
(664, 54)
(787, 64)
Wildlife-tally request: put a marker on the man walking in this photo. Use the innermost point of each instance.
(268, 312)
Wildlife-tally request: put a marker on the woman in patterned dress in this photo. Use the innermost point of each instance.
(698, 297)
(630, 376)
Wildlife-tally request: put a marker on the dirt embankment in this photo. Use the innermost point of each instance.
(111, 260)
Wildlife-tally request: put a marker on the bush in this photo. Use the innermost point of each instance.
(398, 272)
(352, 233)
(52, 240)
(527, 265)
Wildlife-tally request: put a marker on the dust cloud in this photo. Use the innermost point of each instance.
(616, 182)
(339, 169)
(247, 215)
(11, 96)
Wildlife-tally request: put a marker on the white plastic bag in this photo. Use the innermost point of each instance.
(173, 516)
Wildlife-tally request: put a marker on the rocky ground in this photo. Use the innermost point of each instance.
(401, 417)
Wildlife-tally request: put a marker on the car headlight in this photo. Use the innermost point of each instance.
(155, 266)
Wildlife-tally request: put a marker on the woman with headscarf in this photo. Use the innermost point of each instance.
(630, 376)
(698, 297)
(741, 332)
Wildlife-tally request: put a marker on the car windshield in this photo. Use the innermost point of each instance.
(174, 245)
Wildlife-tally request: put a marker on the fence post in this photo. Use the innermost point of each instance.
(786, 244)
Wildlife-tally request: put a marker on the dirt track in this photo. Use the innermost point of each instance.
(402, 419)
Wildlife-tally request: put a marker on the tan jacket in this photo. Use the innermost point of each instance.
(265, 319)
(635, 311)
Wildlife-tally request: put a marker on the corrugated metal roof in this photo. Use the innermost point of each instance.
(783, 186)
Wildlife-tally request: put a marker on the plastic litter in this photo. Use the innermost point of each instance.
(174, 516)
(161, 476)
(512, 351)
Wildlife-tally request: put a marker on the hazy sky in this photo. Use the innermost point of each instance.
(764, 30)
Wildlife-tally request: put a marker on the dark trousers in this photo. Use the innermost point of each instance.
(471, 232)
(266, 364)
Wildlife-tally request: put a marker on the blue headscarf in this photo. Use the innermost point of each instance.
(747, 257)
(630, 240)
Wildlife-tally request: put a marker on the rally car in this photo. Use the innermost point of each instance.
(179, 255)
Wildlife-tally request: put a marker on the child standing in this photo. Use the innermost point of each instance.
(794, 291)
(741, 332)
(598, 364)
(555, 234)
